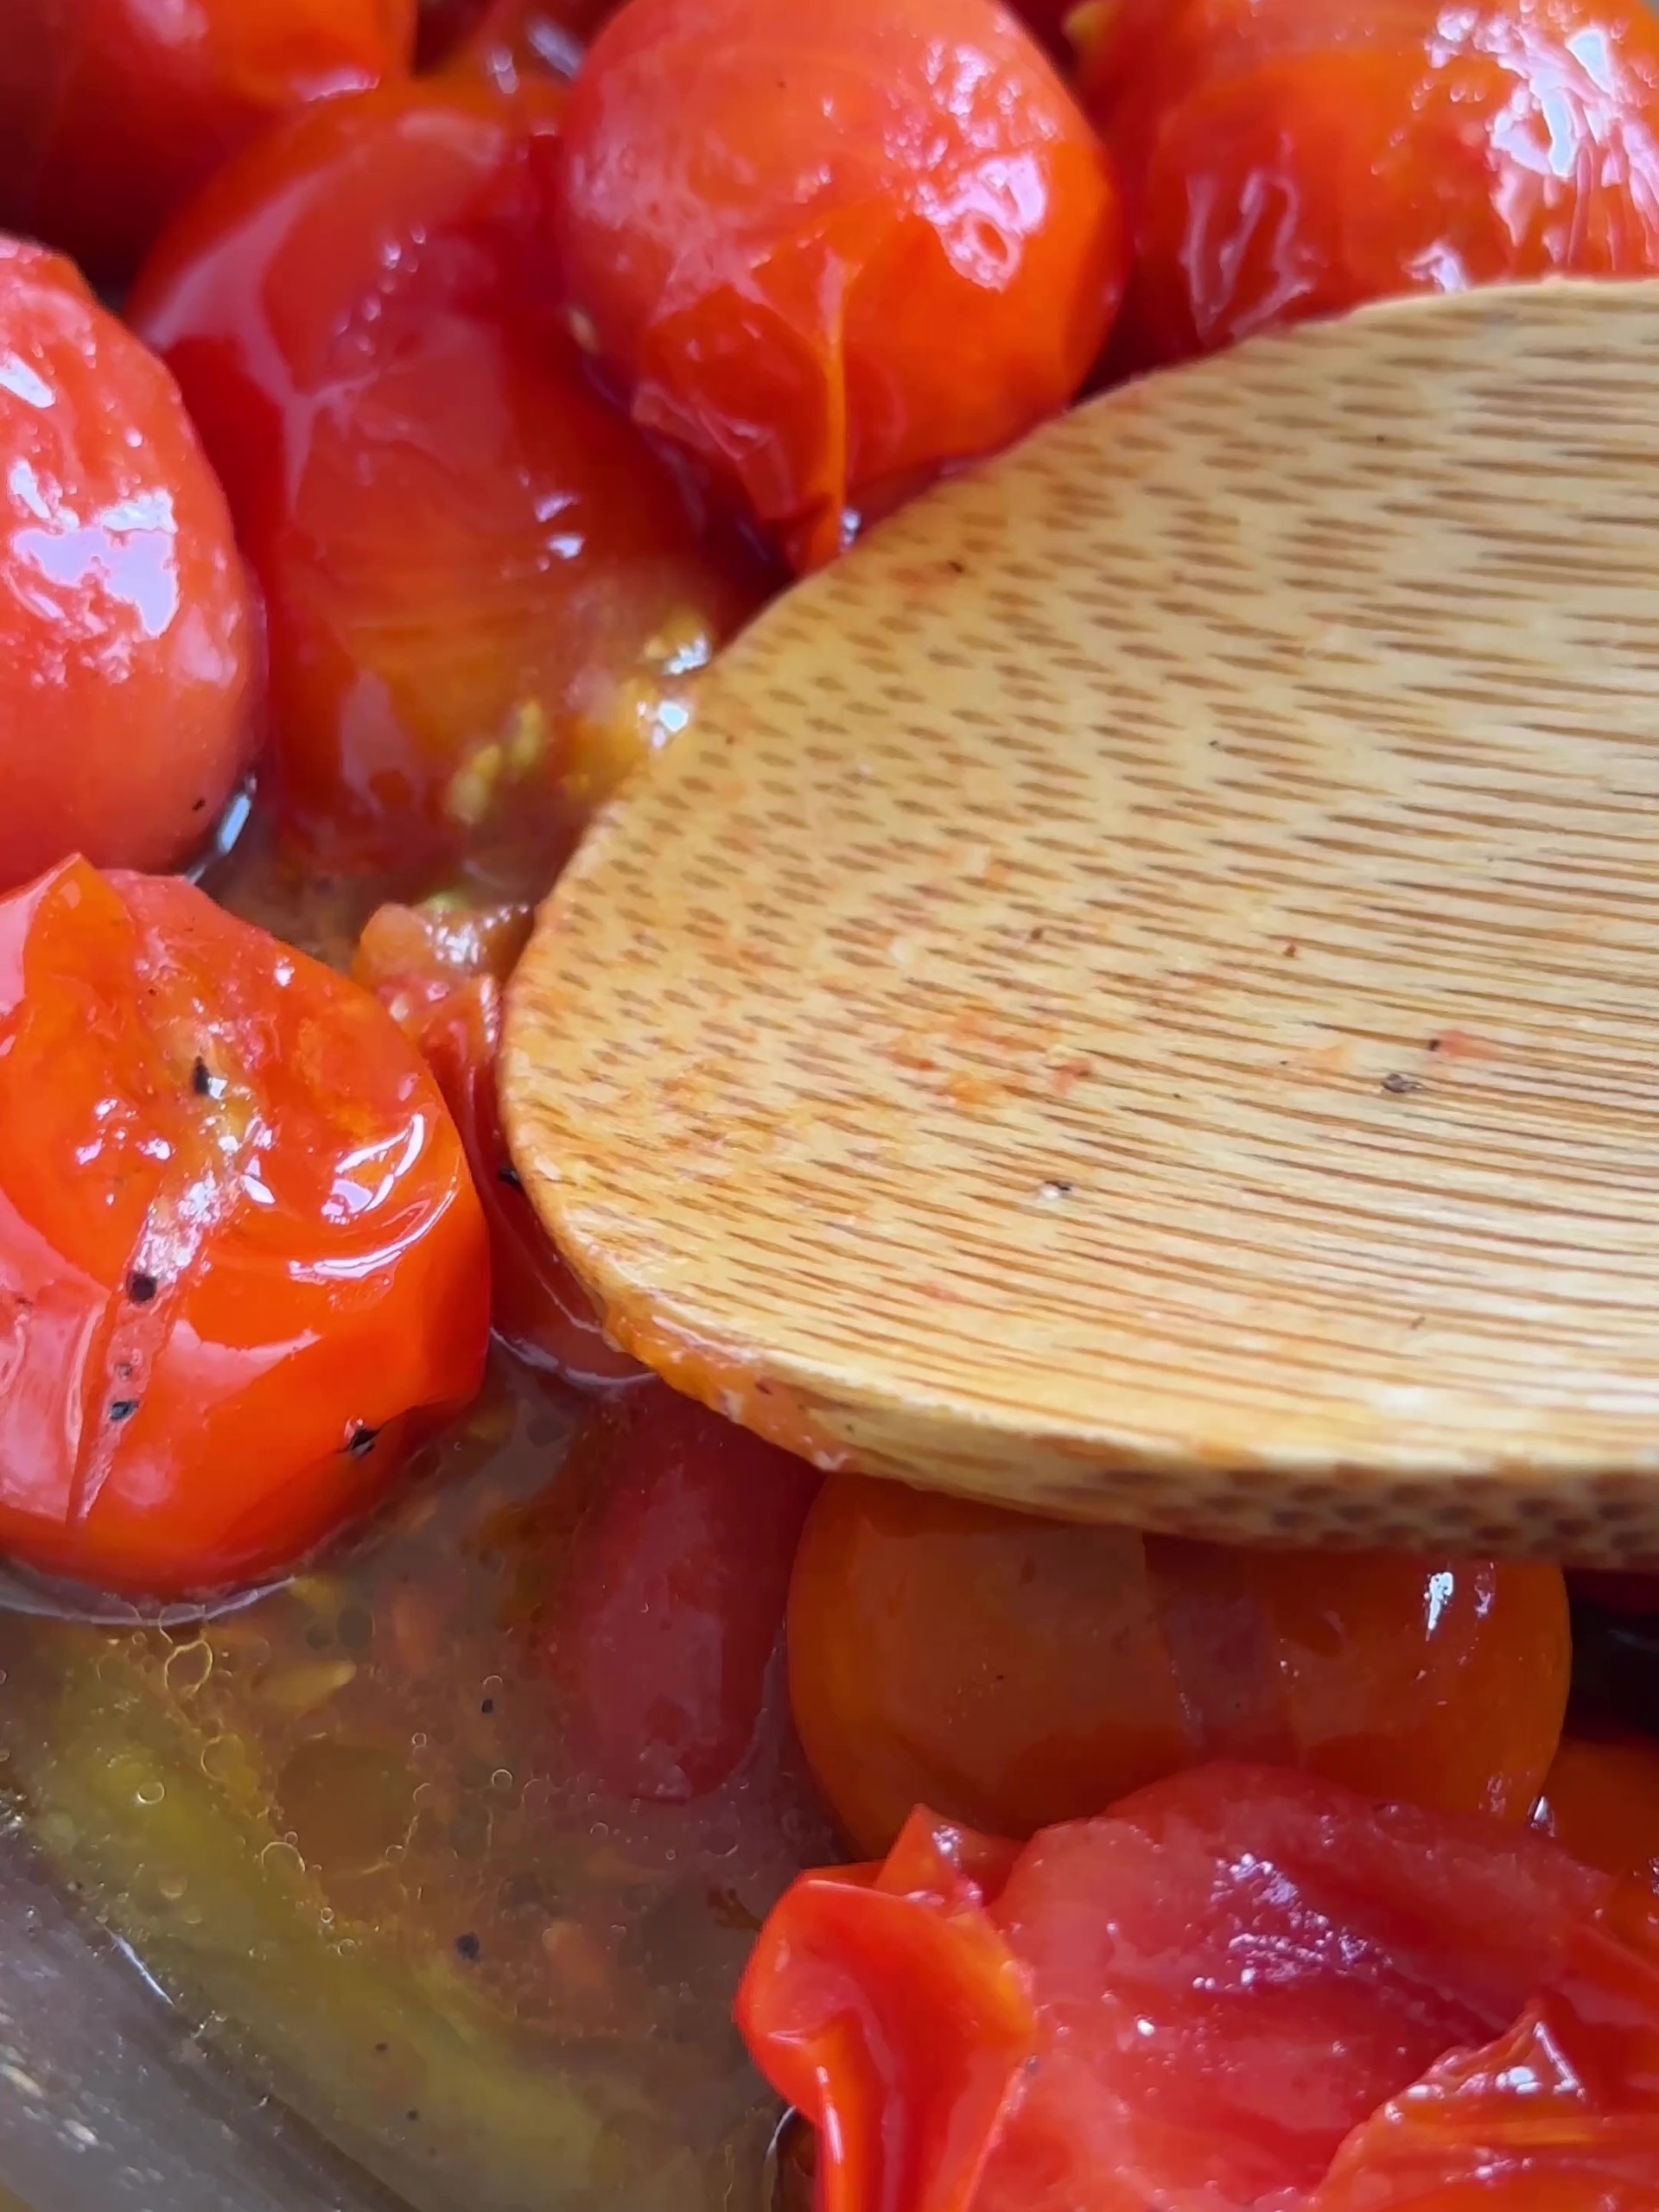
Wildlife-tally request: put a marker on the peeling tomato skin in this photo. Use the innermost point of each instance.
(241, 1252)
(128, 636)
(113, 111)
(831, 249)
(1191, 2000)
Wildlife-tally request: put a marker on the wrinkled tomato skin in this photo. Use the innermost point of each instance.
(831, 249)
(1013, 1672)
(240, 1248)
(673, 1600)
(484, 592)
(1283, 160)
(112, 112)
(1559, 2114)
(1189, 2001)
(128, 641)
(440, 975)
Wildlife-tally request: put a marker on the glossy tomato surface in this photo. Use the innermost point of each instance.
(113, 111)
(439, 972)
(1282, 159)
(1560, 2113)
(484, 592)
(128, 645)
(1013, 1672)
(1220, 1980)
(829, 250)
(238, 1243)
(672, 1601)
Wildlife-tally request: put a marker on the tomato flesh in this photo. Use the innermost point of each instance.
(240, 1249)
(484, 592)
(127, 639)
(1283, 160)
(831, 249)
(1013, 1672)
(112, 112)
(1226, 1975)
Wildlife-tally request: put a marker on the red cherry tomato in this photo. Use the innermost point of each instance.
(484, 592)
(1283, 159)
(1220, 1979)
(1014, 1672)
(440, 975)
(832, 249)
(239, 1245)
(673, 1600)
(126, 635)
(1600, 1801)
(1559, 2114)
(113, 111)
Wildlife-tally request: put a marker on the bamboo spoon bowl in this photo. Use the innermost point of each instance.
(1137, 996)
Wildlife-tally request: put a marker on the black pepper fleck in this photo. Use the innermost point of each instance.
(200, 1082)
(381, 2048)
(1402, 1085)
(141, 1288)
(122, 1409)
(1434, 1044)
(488, 1706)
(362, 1441)
(468, 1945)
(414, 2113)
(509, 1174)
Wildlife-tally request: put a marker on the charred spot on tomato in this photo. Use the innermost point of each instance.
(362, 1441)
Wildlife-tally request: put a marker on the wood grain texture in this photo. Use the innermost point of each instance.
(1138, 995)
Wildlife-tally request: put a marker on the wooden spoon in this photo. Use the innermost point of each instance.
(1138, 995)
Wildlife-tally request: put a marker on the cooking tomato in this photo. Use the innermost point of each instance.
(484, 592)
(1600, 1801)
(127, 642)
(672, 1603)
(439, 972)
(1282, 159)
(832, 249)
(1221, 1978)
(240, 1249)
(113, 111)
(1559, 2114)
(1013, 1672)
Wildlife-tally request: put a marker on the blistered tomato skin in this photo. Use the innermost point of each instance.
(127, 637)
(831, 249)
(1283, 160)
(484, 592)
(241, 1252)
(113, 111)
(1013, 1672)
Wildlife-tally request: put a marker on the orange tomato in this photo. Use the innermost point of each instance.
(240, 1254)
(831, 249)
(1283, 160)
(484, 592)
(113, 111)
(127, 637)
(1601, 1800)
(1013, 1672)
